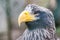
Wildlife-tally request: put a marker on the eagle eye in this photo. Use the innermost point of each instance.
(37, 12)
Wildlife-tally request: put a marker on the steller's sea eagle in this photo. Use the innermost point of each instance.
(40, 23)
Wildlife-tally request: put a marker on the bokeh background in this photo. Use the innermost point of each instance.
(10, 10)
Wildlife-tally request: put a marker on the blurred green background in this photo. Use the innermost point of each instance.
(10, 10)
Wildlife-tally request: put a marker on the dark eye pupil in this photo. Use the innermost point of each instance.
(36, 12)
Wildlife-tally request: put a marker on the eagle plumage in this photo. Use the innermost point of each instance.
(43, 28)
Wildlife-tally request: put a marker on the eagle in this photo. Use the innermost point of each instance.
(40, 23)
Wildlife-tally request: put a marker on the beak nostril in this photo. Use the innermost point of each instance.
(25, 13)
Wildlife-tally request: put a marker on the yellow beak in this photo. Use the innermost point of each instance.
(25, 16)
